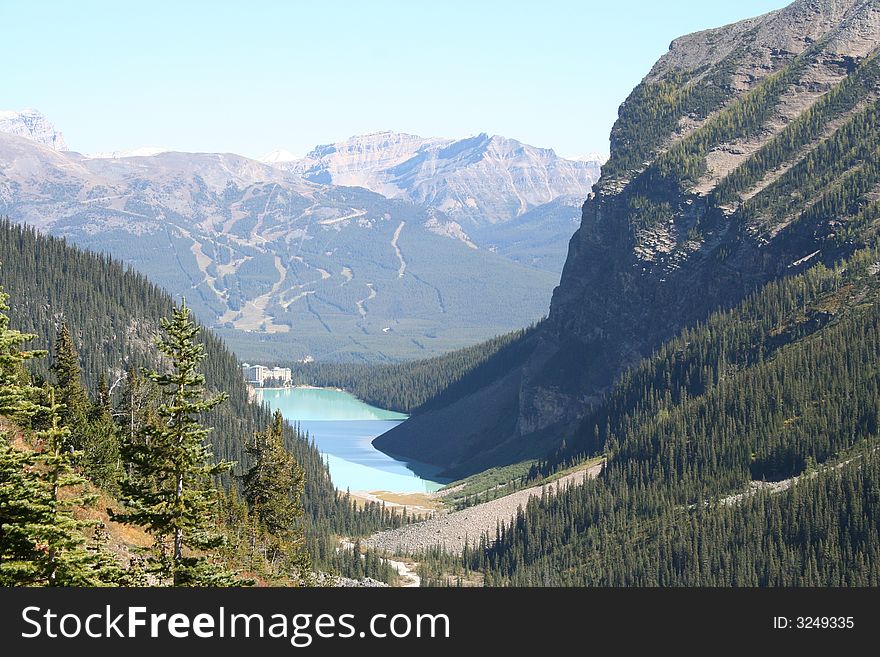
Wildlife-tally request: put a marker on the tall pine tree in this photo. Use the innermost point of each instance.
(90, 425)
(19, 485)
(170, 487)
(63, 557)
(101, 460)
(72, 395)
(16, 393)
(273, 489)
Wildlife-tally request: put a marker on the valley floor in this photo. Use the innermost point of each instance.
(452, 530)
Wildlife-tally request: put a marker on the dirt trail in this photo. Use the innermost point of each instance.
(408, 576)
(774, 487)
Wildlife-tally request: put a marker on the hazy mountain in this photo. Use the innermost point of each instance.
(144, 151)
(285, 267)
(278, 156)
(475, 182)
(487, 192)
(33, 125)
(361, 161)
(748, 154)
(595, 156)
(539, 238)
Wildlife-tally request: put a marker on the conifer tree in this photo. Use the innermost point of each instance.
(22, 504)
(19, 485)
(16, 393)
(101, 459)
(91, 427)
(72, 395)
(273, 489)
(63, 558)
(169, 490)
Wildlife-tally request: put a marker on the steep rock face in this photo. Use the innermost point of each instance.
(747, 153)
(490, 180)
(361, 161)
(32, 125)
(476, 181)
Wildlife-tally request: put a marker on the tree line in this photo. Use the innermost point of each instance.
(413, 386)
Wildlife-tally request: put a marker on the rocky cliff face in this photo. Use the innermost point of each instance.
(746, 154)
(32, 125)
(475, 182)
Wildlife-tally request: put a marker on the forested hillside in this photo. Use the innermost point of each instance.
(409, 386)
(112, 316)
(743, 453)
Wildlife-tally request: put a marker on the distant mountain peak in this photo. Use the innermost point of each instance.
(278, 156)
(210, 225)
(595, 156)
(478, 180)
(385, 141)
(32, 124)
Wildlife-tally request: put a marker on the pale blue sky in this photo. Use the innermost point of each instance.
(248, 77)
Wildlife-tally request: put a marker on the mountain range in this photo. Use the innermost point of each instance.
(477, 181)
(354, 253)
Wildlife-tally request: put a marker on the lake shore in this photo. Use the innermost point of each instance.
(253, 391)
(343, 428)
(420, 504)
(304, 387)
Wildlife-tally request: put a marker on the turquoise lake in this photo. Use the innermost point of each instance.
(343, 428)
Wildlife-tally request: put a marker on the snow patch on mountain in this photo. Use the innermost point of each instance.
(595, 156)
(145, 151)
(278, 156)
